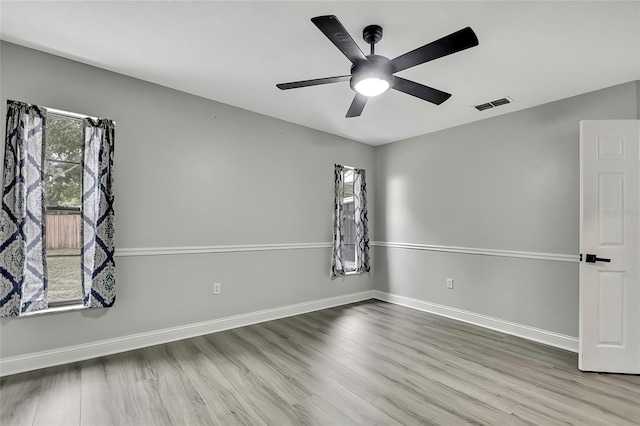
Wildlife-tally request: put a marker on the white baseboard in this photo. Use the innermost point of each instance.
(19, 364)
(550, 338)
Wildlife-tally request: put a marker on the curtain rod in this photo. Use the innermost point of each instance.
(69, 113)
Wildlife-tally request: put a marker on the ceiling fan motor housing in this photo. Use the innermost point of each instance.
(376, 66)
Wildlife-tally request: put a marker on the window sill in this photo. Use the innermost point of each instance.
(54, 310)
(353, 273)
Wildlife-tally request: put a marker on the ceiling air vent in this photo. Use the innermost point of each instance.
(492, 104)
(499, 102)
(483, 107)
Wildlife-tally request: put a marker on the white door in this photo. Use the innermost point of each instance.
(610, 246)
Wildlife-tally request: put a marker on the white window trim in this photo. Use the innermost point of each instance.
(350, 200)
(54, 310)
(69, 305)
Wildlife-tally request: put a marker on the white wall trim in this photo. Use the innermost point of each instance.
(164, 251)
(19, 364)
(483, 251)
(85, 351)
(550, 338)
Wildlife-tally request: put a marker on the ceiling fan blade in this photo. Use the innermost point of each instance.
(455, 42)
(420, 91)
(315, 82)
(333, 29)
(357, 106)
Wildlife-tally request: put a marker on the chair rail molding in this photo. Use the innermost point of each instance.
(556, 257)
(166, 251)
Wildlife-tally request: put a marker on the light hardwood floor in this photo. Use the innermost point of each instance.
(366, 363)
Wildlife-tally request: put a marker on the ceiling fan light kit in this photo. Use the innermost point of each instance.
(370, 85)
(372, 77)
(373, 74)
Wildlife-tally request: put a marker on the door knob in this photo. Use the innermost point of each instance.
(591, 258)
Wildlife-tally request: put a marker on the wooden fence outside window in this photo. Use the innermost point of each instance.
(63, 231)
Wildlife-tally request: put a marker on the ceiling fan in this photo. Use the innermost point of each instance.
(373, 74)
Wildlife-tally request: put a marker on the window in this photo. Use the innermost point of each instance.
(57, 229)
(350, 238)
(63, 201)
(348, 222)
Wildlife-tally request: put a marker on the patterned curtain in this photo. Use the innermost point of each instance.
(98, 266)
(23, 278)
(337, 265)
(362, 225)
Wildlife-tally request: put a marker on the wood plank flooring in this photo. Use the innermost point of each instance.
(367, 363)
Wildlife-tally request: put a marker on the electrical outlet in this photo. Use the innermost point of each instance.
(449, 282)
(217, 287)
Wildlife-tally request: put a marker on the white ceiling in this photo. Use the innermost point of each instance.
(235, 52)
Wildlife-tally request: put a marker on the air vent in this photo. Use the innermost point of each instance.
(499, 102)
(492, 104)
(483, 107)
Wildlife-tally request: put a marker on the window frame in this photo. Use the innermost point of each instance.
(349, 200)
(68, 304)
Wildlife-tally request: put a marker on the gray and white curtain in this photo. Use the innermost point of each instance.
(23, 272)
(23, 277)
(98, 227)
(362, 223)
(337, 259)
(362, 261)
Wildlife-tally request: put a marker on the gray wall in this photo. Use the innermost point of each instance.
(638, 99)
(191, 172)
(509, 183)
